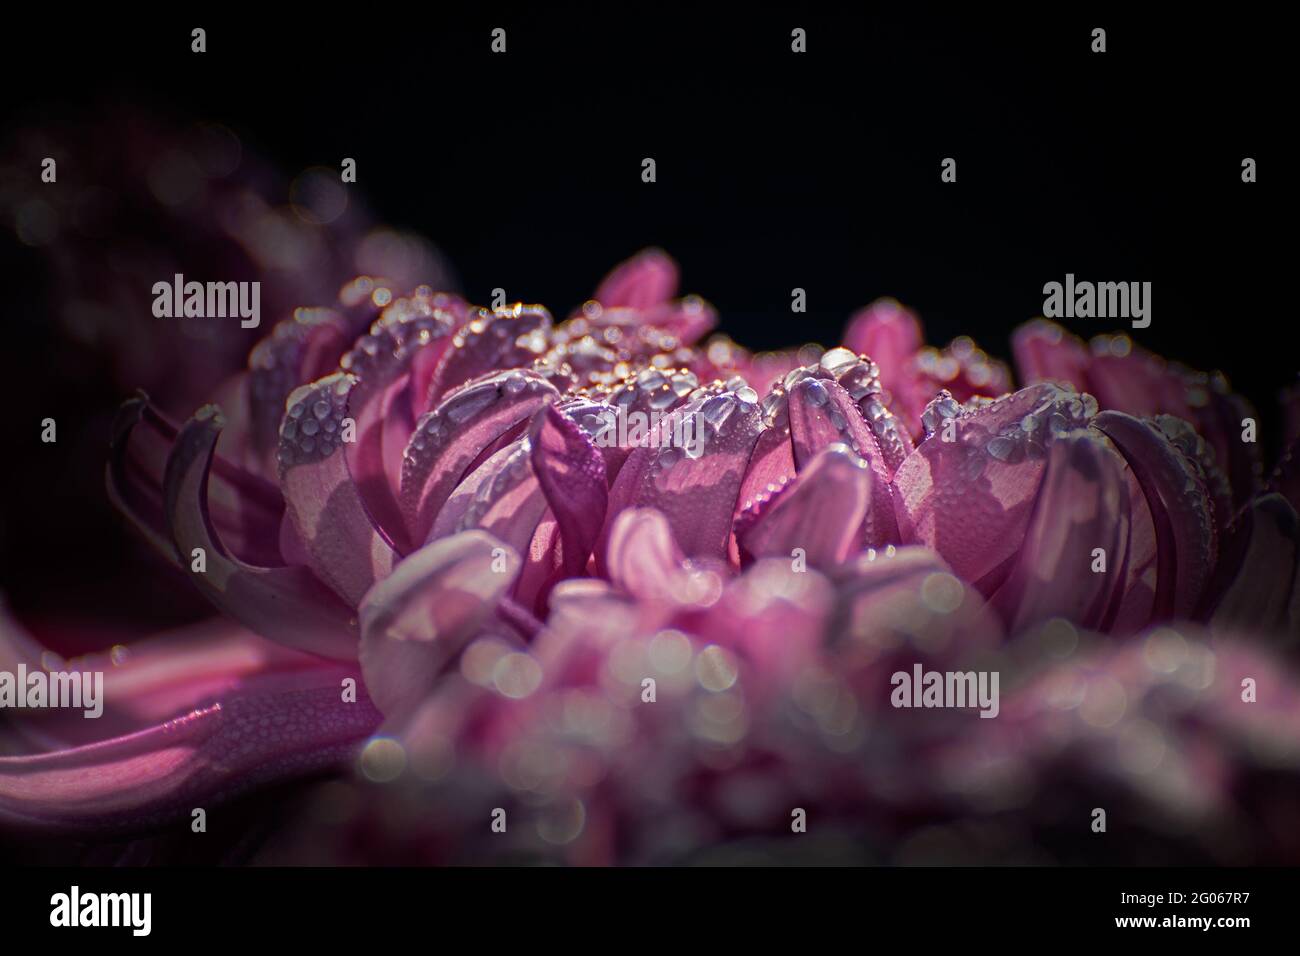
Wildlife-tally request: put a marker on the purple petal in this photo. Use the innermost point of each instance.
(820, 512)
(301, 348)
(645, 280)
(345, 546)
(284, 604)
(1262, 557)
(1180, 510)
(502, 496)
(448, 440)
(270, 728)
(821, 414)
(970, 499)
(508, 338)
(245, 508)
(571, 472)
(419, 617)
(695, 487)
(1082, 504)
(1045, 352)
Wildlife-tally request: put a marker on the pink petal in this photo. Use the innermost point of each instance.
(571, 472)
(860, 378)
(450, 438)
(971, 499)
(146, 682)
(890, 334)
(820, 512)
(417, 619)
(1262, 558)
(695, 487)
(1045, 352)
(346, 547)
(1180, 510)
(821, 414)
(645, 280)
(1082, 504)
(507, 338)
(270, 728)
(641, 558)
(285, 604)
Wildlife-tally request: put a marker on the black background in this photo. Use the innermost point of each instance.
(775, 170)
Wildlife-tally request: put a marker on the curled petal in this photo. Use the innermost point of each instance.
(691, 469)
(382, 362)
(135, 470)
(1082, 505)
(1180, 509)
(645, 280)
(285, 604)
(1262, 558)
(449, 439)
(642, 559)
(419, 617)
(1045, 352)
(345, 546)
(269, 728)
(571, 472)
(301, 348)
(968, 489)
(820, 512)
(860, 378)
(502, 496)
(822, 413)
(512, 337)
(245, 508)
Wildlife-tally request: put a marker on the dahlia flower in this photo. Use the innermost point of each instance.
(638, 653)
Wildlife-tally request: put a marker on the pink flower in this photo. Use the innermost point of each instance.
(436, 514)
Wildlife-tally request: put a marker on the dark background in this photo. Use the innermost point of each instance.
(775, 170)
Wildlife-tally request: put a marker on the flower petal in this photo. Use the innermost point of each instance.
(449, 439)
(286, 604)
(301, 348)
(1180, 509)
(507, 338)
(970, 498)
(1082, 505)
(418, 618)
(571, 472)
(696, 486)
(347, 549)
(270, 728)
(645, 280)
(641, 558)
(819, 512)
(1046, 352)
(1262, 557)
(822, 413)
